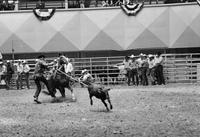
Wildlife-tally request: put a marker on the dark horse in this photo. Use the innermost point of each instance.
(60, 81)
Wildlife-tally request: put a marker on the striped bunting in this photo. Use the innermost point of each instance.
(132, 9)
(44, 14)
(198, 2)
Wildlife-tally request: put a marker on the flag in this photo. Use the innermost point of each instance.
(132, 9)
(44, 14)
(198, 2)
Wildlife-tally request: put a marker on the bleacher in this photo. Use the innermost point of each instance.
(60, 4)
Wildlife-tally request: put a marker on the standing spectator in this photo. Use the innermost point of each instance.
(151, 0)
(2, 73)
(10, 72)
(82, 5)
(104, 3)
(159, 69)
(19, 74)
(26, 70)
(134, 68)
(139, 62)
(151, 71)
(144, 68)
(127, 63)
(1, 57)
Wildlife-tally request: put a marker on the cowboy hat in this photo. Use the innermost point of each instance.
(132, 56)
(142, 55)
(83, 71)
(24, 61)
(150, 55)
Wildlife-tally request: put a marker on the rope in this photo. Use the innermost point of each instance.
(72, 77)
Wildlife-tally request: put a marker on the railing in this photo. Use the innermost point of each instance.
(28, 4)
(178, 68)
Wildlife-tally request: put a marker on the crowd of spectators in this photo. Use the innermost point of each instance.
(7, 5)
(21, 71)
(142, 69)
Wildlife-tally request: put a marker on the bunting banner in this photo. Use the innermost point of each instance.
(198, 2)
(132, 9)
(44, 14)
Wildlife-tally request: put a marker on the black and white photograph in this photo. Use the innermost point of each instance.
(99, 68)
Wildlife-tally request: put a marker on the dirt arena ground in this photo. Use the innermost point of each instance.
(159, 111)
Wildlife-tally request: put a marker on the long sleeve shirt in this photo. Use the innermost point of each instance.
(26, 68)
(40, 67)
(19, 68)
(3, 70)
(68, 68)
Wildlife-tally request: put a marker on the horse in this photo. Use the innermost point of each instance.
(60, 81)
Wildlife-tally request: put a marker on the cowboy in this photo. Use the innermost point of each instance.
(19, 74)
(68, 67)
(86, 77)
(26, 70)
(127, 62)
(134, 70)
(151, 71)
(40, 68)
(9, 74)
(159, 69)
(144, 68)
(3, 71)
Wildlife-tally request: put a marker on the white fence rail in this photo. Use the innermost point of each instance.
(178, 68)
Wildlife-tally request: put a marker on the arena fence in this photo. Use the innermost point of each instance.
(178, 68)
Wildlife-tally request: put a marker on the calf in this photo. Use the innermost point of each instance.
(100, 93)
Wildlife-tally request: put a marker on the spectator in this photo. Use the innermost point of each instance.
(1, 57)
(151, 0)
(127, 62)
(151, 71)
(82, 5)
(144, 68)
(105, 3)
(134, 68)
(2, 73)
(19, 74)
(26, 70)
(159, 69)
(10, 72)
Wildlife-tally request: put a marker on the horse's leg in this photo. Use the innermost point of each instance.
(72, 92)
(105, 104)
(91, 101)
(62, 91)
(108, 98)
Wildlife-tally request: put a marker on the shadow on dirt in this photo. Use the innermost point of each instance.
(100, 110)
(57, 100)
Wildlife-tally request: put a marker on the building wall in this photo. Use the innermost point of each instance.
(101, 29)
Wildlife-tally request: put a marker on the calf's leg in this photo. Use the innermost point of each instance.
(105, 104)
(111, 107)
(91, 101)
